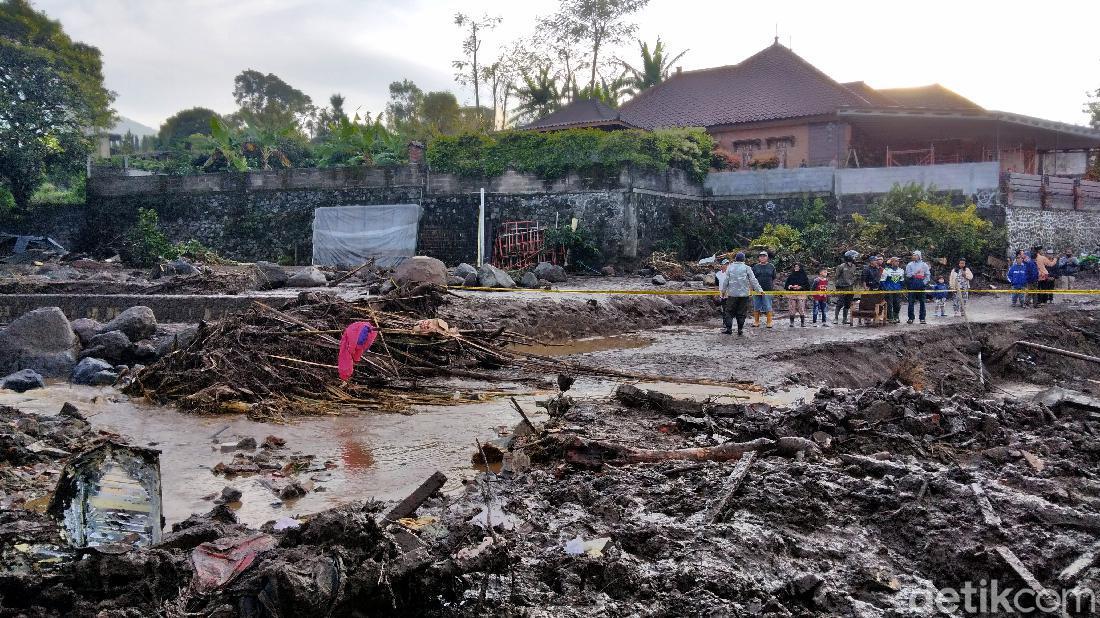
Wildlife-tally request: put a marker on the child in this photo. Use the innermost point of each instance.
(821, 301)
(1017, 277)
(893, 278)
(961, 276)
(939, 295)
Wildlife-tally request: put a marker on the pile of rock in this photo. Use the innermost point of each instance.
(544, 275)
(43, 344)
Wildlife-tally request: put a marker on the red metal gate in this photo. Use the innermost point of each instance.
(522, 244)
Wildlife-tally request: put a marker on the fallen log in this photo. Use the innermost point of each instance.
(988, 514)
(1043, 348)
(594, 453)
(408, 506)
(1070, 574)
(733, 483)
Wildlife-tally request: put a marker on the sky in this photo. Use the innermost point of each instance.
(161, 56)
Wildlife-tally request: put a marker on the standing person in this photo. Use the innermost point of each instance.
(765, 275)
(734, 292)
(940, 296)
(1032, 270)
(1068, 267)
(1046, 263)
(917, 274)
(797, 281)
(1017, 278)
(821, 299)
(893, 278)
(846, 274)
(960, 286)
(872, 274)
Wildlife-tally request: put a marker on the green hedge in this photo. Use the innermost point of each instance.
(553, 155)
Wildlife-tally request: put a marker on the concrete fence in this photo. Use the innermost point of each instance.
(967, 178)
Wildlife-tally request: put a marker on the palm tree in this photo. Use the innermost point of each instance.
(655, 67)
(608, 93)
(539, 95)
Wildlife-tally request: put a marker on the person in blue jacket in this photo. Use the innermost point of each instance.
(1030, 298)
(1017, 278)
(893, 277)
(939, 295)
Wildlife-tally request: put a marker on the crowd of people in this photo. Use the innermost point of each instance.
(1034, 274)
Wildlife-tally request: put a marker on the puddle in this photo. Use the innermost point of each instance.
(586, 346)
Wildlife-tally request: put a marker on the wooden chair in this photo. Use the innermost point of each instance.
(870, 306)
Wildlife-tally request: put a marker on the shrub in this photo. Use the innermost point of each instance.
(579, 245)
(587, 151)
(146, 244)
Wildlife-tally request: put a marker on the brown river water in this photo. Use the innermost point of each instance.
(382, 456)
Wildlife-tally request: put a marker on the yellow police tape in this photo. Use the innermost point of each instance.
(712, 292)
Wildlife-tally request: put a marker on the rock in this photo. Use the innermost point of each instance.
(659, 280)
(387, 287)
(529, 280)
(22, 381)
(710, 279)
(270, 276)
(464, 270)
(167, 343)
(113, 346)
(85, 329)
(309, 277)
(608, 271)
(805, 585)
(179, 266)
(94, 372)
(472, 281)
(454, 281)
(551, 272)
(229, 494)
(136, 323)
(492, 277)
(546, 285)
(421, 269)
(41, 340)
(144, 352)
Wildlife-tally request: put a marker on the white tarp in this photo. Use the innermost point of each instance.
(347, 236)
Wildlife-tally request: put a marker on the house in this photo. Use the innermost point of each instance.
(581, 113)
(775, 109)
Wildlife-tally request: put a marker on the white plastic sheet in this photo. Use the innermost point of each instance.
(347, 236)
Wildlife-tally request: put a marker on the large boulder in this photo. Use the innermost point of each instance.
(136, 323)
(472, 280)
(113, 346)
(94, 372)
(309, 277)
(529, 280)
(492, 277)
(179, 266)
(41, 340)
(85, 329)
(270, 276)
(465, 270)
(421, 269)
(551, 272)
(176, 340)
(22, 381)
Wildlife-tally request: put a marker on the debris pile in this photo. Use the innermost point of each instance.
(278, 363)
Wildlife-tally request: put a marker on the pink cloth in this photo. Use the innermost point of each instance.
(357, 339)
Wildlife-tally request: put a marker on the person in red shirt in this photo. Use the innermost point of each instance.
(821, 301)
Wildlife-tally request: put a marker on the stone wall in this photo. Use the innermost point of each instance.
(1056, 228)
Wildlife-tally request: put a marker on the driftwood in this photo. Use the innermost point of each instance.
(596, 452)
(408, 506)
(988, 514)
(1042, 348)
(1070, 574)
(733, 483)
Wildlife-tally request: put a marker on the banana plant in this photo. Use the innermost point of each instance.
(268, 141)
(225, 143)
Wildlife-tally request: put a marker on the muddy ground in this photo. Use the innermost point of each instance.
(860, 500)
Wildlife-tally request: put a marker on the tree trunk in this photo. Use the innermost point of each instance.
(477, 95)
(595, 59)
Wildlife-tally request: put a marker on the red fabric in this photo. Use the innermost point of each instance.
(353, 343)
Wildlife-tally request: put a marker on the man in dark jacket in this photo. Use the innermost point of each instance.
(765, 275)
(846, 275)
(872, 274)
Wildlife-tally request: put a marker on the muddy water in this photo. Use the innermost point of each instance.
(381, 456)
(587, 345)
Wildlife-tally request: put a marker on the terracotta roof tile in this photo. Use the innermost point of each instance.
(579, 113)
(934, 96)
(773, 84)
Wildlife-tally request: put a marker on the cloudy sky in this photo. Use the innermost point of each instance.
(165, 55)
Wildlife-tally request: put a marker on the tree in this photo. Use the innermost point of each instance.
(440, 113)
(52, 97)
(404, 106)
(329, 116)
(467, 67)
(183, 124)
(608, 93)
(596, 24)
(654, 68)
(539, 95)
(268, 101)
(1092, 108)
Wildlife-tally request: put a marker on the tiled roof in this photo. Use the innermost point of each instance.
(579, 113)
(773, 84)
(874, 97)
(934, 96)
